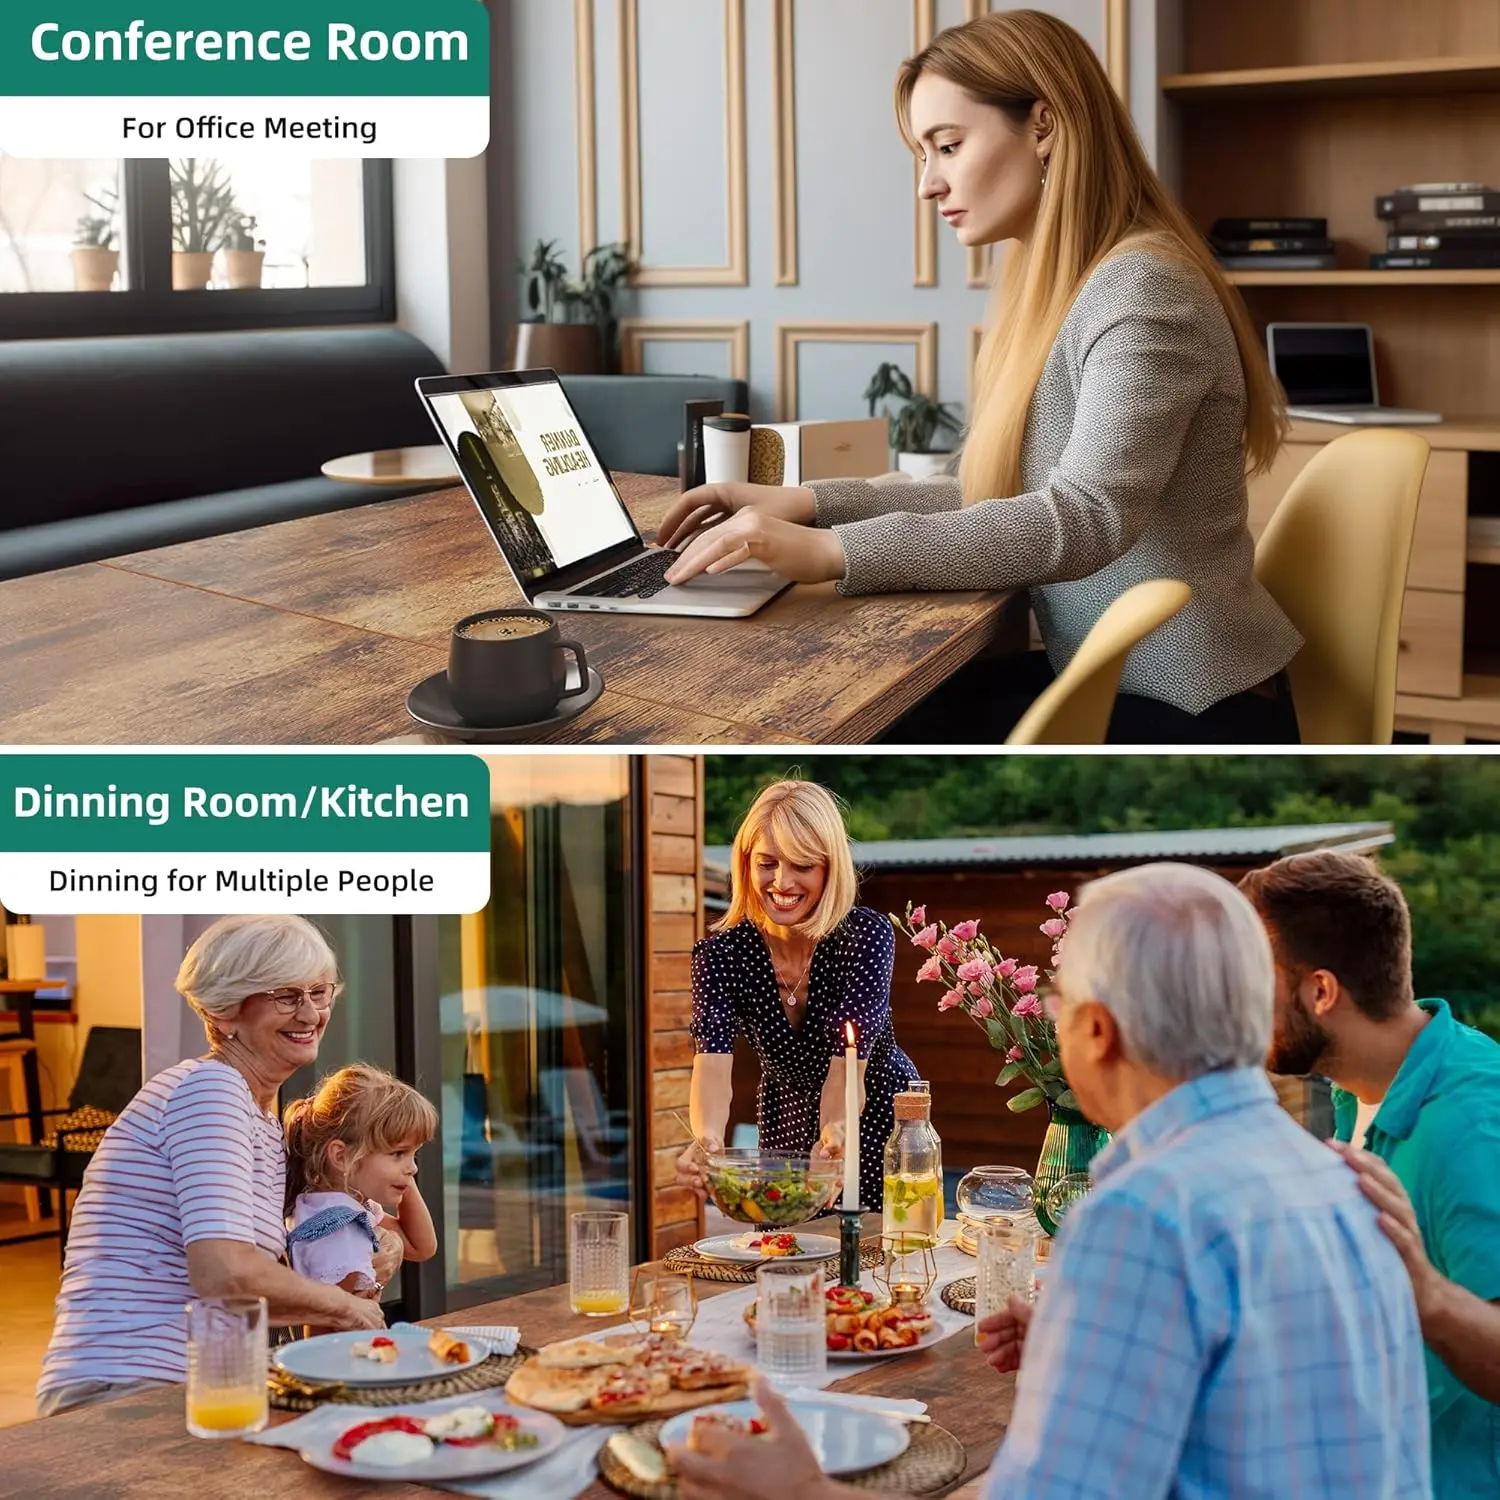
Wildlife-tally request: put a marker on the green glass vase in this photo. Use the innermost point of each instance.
(1070, 1144)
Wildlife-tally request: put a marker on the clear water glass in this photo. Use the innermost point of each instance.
(1007, 1266)
(599, 1264)
(791, 1328)
(228, 1351)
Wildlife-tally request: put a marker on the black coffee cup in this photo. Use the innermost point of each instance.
(509, 666)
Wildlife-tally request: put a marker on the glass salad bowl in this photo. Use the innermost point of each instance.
(757, 1187)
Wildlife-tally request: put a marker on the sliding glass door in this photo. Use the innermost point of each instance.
(537, 1006)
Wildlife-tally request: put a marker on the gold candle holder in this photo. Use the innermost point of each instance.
(907, 1272)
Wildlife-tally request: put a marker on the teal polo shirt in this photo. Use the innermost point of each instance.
(1439, 1130)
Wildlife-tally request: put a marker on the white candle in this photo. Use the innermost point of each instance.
(851, 1119)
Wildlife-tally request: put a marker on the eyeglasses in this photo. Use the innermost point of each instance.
(289, 1000)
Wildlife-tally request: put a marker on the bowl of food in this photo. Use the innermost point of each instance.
(757, 1187)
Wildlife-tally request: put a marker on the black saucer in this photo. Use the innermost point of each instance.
(429, 704)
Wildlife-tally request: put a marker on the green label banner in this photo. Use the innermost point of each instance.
(233, 804)
(244, 48)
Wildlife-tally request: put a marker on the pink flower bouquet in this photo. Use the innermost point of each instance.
(1000, 995)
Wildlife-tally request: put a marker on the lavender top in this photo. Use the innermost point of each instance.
(346, 1250)
(192, 1157)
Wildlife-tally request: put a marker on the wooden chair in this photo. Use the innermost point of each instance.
(1075, 709)
(1334, 557)
(109, 1077)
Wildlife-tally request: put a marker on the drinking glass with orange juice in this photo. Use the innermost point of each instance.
(228, 1348)
(599, 1264)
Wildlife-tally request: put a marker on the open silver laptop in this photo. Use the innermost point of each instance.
(554, 511)
(1328, 373)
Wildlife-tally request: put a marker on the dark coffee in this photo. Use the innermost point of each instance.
(504, 627)
(510, 667)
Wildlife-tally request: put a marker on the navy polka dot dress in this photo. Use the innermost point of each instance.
(735, 990)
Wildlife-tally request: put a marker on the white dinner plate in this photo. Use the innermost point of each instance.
(916, 1348)
(446, 1462)
(723, 1247)
(845, 1441)
(329, 1359)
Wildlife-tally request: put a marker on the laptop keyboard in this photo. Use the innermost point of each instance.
(638, 579)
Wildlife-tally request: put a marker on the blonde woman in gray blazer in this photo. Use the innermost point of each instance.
(1121, 397)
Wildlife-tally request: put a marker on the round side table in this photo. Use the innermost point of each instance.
(395, 466)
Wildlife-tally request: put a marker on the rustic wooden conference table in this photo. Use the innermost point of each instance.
(138, 1449)
(313, 631)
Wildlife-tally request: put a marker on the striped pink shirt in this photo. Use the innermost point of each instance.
(192, 1157)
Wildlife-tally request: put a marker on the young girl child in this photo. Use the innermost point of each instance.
(352, 1175)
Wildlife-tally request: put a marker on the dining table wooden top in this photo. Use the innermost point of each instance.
(313, 631)
(138, 1447)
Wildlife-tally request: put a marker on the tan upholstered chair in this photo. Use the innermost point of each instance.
(1334, 557)
(1075, 709)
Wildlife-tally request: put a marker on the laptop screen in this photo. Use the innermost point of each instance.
(1327, 365)
(538, 481)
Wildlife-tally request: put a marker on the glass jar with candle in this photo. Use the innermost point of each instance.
(913, 1176)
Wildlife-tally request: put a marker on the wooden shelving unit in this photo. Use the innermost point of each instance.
(1427, 75)
(1313, 108)
(1385, 279)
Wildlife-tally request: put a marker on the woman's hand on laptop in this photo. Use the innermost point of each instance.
(711, 503)
(802, 553)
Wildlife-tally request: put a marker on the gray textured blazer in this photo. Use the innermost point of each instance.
(1134, 466)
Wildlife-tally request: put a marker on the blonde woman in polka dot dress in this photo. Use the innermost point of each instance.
(791, 962)
(1120, 396)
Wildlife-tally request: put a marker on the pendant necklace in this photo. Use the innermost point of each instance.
(792, 988)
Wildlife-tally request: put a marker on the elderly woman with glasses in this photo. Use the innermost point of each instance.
(185, 1196)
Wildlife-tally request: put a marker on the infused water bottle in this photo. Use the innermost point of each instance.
(913, 1177)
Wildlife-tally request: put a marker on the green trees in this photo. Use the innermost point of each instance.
(1445, 809)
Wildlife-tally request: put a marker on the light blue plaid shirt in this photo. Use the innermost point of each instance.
(1222, 1317)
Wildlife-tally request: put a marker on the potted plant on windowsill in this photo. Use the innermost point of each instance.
(244, 255)
(96, 256)
(915, 424)
(202, 210)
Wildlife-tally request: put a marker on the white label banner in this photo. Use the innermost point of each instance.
(285, 126)
(357, 884)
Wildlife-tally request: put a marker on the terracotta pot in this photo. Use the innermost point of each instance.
(94, 269)
(568, 348)
(191, 270)
(243, 267)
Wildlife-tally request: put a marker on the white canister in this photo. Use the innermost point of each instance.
(26, 950)
(726, 449)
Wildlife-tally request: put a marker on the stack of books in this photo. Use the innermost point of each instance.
(1440, 226)
(1272, 244)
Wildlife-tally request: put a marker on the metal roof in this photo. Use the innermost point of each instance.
(1227, 845)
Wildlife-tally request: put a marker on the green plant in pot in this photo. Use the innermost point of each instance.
(96, 251)
(244, 255)
(1000, 995)
(571, 326)
(203, 211)
(916, 423)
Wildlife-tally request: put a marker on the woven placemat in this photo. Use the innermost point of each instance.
(933, 1461)
(495, 1371)
(685, 1258)
(959, 1295)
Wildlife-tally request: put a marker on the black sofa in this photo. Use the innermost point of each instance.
(115, 445)
(635, 421)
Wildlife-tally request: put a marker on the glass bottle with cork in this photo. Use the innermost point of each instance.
(913, 1174)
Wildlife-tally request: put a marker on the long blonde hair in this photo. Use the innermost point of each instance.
(361, 1106)
(1100, 189)
(803, 820)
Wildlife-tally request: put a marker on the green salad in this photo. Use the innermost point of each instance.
(779, 1196)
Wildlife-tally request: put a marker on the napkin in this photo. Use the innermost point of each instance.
(884, 1406)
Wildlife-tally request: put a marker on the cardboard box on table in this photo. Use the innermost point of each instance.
(791, 453)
